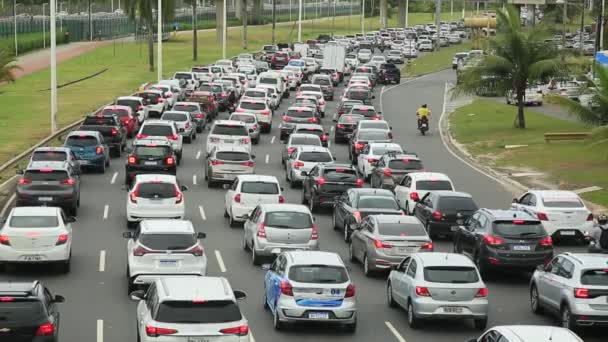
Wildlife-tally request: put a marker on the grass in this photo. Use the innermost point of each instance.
(436, 61)
(29, 41)
(570, 164)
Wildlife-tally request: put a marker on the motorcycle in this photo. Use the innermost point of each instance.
(423, 125)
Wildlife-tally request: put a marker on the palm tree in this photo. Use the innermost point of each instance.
(520, 57)
(194, 30)
(7, 67)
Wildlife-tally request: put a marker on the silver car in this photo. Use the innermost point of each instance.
(184, 122)
(382, 241)
(224, 163)
(272, 228)
(527, 333)
(251, 121)
(296, 140)
(438, 286)
(573, 286)
(303, 160)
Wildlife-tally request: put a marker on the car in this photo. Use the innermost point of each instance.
(326, 181)
(273, 94)
(235, 82)
(326, 84)
(154, 196)
(361, 93)
(228, 133)
(90, 149)
(425, 45)
(168, 95)
(175, 86)
(443, 211)
(361, 138)
(209, 104)
(226, 64)
(390, 169)
(309, 101)
(302, 160)
(221, 95)
(563, 213)
(410, 51)
(288, 296)
(312, 129)
(272, 228)
(56, 153)
(150, 156)
(320, 99)
(291, 80)
(416, 185)
(389, 73)
(198, 116)
(380, 242)
(159, 129)
(532, 97)
(186, 127)
(175, 304)
(293, 116)
(259, 94)
(225, 163)
(251, 121)
(160, 248)
(454, 38)
(368, 111)
(459, 59)
(345, 126)
(395, 56)
(355, 204)
(438, 286)
(248, 191)
(527, 333)
(298, 139)
(110, 127)
(260, 108)
(126, 117)
(375, 124)
(137, 105)
(345, 106)
(371, 153)
(37, 235)
(279, 60)
(231, 91)
(190, 83)
(29, 311)
(154, 101)
(504, 239)
(572, 287)
(364, 55)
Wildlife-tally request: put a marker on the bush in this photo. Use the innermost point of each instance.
(28, 42)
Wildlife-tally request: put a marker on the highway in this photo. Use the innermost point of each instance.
(98, 308)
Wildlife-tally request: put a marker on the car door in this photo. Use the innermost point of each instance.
(359, 236)
(377, 174)
(558, 279)
(362, 162)
(410, 278)
(106, 148)
(423, 208)
(51, 307)
(273, 285)
(466, 236)
(545, 280)
(402, 192)
(398, 282)
(250, 225)
(144, 307)
(478, 231)
(230, 194)
(339, 209)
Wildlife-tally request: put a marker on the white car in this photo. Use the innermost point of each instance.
(364, 55)
(410, 52)
(226, 64)
(33, 235)
(168, 94)
(378, 61)
(302, 160)
(248, 191)
(298, 73)
(250, 71)
(252, 123)
(374, 124)
(454, 38)
(259, 94)
(228, 132)
(137, 104)
(273, 94)
(184, 122)
(161, 248)
(189, 79)
(155, 196)
(291, 79)
(319, 96)
(562, 213)
(416, 185)
(371, 153)
(258, 107)
(425, 45)
(162, 129)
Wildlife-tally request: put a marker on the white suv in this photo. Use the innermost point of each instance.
(155, 196)
(248, 191)
(228, 132)
(151, 129)
(163, 247)
(416, 185)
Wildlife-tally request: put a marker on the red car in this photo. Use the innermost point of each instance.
(127, 119)
(279, 60)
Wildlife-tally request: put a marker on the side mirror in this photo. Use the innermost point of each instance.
(266, 267)
(253, 156)
(183, 188)
(138, 295)
(58, 299)
(19, 172)
(304, 174)
(238, 294)
(129, 150)
(540, 267)
(71, 219)
(201, 235)
(282, 189)
(127, 235)
(225, 186)
(515, 200)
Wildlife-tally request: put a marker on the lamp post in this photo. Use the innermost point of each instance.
(224, 30)
(159, 39)
(52, 15)
(300, 21)
(43, 27)
(363, 17)
(15, 22)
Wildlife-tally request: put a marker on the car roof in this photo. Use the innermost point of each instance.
(158, 121)
(121, 107)
(18, 286)
(448, 193)
(284, 207)
(304, 135)
(314, 258)
(166, 226)
(53, 149)
(84, 133)
(258, 178)
(444, 259)
(555, 193)
(54, 165)
(396, 219)
(129, 98)
(589, 260)
(536, 333)
(429, 176)
(34, 211)
(149, 178)
(188, 288)
(362, 106)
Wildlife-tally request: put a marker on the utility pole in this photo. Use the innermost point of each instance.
(224, 30)
(437, 20)
(52, 14)
(274, 20)
(90, 23)
(601, 25)
(43, 26)
(451, 10)
(300, 21)
(363, 18)
(407, 12)
(159, 38)
(244, 18)
(564, 19)
(15, 21)
(333, 18)
(580, 36)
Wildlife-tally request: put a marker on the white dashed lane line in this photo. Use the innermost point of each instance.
(220, 261)
(102, 260)
(194, 179)
(267, 158)
(100, 330)
(198, 154)
(114, 178)
(201, 210)
(272, 139)
(395, 332)
(106, 209)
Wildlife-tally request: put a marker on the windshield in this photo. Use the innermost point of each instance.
(20, 313)
(49, 156)
(405, 164)
(45, 175)
(433, 185)
(368, 135)
(182, 76)
(174, 117)
(156, 190)
(268, 80)
(373, 124)
(99, 120)
(198, 312)
(322, 81)
(450, 274)
(340, 175)
(232, 155)
(380, 150)
(597, 277)
(33, 222)
(81, 141)
(255, 93)
(318, 274)
(287, 219)
(317, 157)
(358, 94)
(118, 112)
(308, 88)
(253, 105)
(157, 130)
(131, 103)
(305, 141)
(243, 117)
(519, 228)
(230, 130)
(151, 151)
(300, 113)
(378, 202)
(401, 229)
(264, 188)
(163, 242)
(456, 203)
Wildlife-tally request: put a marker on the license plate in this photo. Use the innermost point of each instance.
(521, 247)
(452, 309)
(32, 258)
(168, 262)
(460, 221)
(402, 250)
(454, 228)
(567, 232)
(83, 162)
(150, 163)
(198, 339)
(45, 199)
(318, 315)
(229, 141)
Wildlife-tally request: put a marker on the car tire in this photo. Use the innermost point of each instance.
(567, 321)
(389, 296)
(233, 223)
(278, 325)
(256, 141)
(194, 135)
(366, 270)
(481, 266)
(188, 140)
(64, 266)
(244, 243)
(480, 324)
(73, 210)
(407, 208)
(131, 224)
(199, 129)
(347, 233)
(412, 320)
(210, 184)
(255, 258)
(226, 213)
(334, 224)
(535, 304)
(266, 306)
(304, 200)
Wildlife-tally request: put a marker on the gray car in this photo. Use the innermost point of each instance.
(438, 286)
(272, 228)
(573, 286)
(382, 241)
(296, 140)
(225, 163)
(184, 123)
(251, 121)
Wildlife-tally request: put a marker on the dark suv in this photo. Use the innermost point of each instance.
(505, 239)
(389, 73)
(113, 131)
(28, 312)
(150, 156)
(443, 211)
(325, 182)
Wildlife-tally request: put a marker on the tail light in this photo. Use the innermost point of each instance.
(140, 107)
(359, 183)
(132, 160)
(237, 198)
(350, 291)
(170, 161)
(4, 240)
(482, 293)
(286, 118)
(422, 291)
(255, 127)
(359, 146)
(141, 136)
(312, 120)
(261, 231)
(46, 329)
(114, 131)
(427, 246)
(170, 95)
(357, 216)
(133, 195)
(160, 100)
(245, 140)
(286, 288)
(372, 160)
(99, 150)
(324, 137)
(68, 181)
(340, 126)
(265, 112)
(546, 242)
(437, 216)
(298, 164)
(291, 150)
(153, 331)
(23, 181)
(493, 240)
(187, 125)
(382, 244)
(590, 217)
(388, 172)
(248, 164)
(242, 330)
(281, 199)
(198, 115)
(217, 162)
(239, 110)
(197, 251)
(172, 137)
(542, 216)
(179, 196)
(320, 181)
(62, 239)
(581, 293)
(140, 251)
(315, 232)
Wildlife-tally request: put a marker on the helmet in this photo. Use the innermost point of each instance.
(602, 219)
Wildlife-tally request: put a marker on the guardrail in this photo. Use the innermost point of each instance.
(566, 136)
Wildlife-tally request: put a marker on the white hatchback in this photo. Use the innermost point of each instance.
(155, 196)
(371, 153)
(249, 191)
(416, 185)
(36, 235)
(228, 132)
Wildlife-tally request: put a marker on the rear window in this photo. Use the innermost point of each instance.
(152, 97)
(519, 228)
(457, 203)
(378, 202)
(34, 222)
(157, 190)
(433, 185)
(380, 150)
(230, 130)
(401, 229)
(318, 274)
(314, 131)
(233, 156)
(151, 151)
(174, 117)
(157, 130)
(350, 119)
(255, 94)
(49, 156)
(340, 175)
(182, 76)
(322, 81)
(253, 105)
(186, 108)
(363, 135)
(268, 80)
(405, 164)
(217, 311)
(243, 118)
(318, 157)
(21, 312)
(305, 141)
(46, 175)
(287, 219)
(450, 275)
(595, 277)
(300, 113)
(131, 103)
(308, 88)
(364, 111)
(373, 124)
(264, 188)
(167, 241)
(95, 120)
(118, 112)
(562, 203)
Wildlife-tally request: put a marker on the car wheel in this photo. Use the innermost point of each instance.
(64, 266)
(407, 208)
(427, 225)
(389, 296)
(199, 129)
(333, 220)
(311, 203)
(278, 325)
(194, 136)
(292, 184)
(188, 140)
(255, 258)
(131, 224)
(266, 307)
(567, 320)
(366, 267)
(233, 223)
(210, 183)
(480, 266)
(74, 210)
(347, 232)
(412, 321)
(480, 324)
(535, 301)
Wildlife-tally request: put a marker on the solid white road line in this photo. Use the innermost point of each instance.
(329, 144)
(272, 139)
(399, 85)
(102, 260)
(8, 204)
(198, 154)
(100, 330)
(114, 178)
(106, 208)
(395, 332)
(251, 338)
(220, 261)
(194, 179)
(202, 211)
(331, 129)
(267, 158)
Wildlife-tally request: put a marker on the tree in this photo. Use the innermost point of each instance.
(7, 67)
(194, 30)
(519, 57)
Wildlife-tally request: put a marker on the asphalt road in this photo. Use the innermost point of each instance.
(98, 309)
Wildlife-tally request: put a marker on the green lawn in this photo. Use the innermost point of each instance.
(571, 164)
(436, 61)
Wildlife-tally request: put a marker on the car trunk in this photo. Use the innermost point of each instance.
(232, 166)
(254, 193)
(38, 239)
(453, 292)
(110, 133)
(367, 211)
(288, 235)
(45, 181)
(567, 217)
(402, 245)
(20, 320)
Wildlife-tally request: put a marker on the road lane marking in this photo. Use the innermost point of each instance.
(102, 260)
(251, 338)
(400, 84)
(267, 158)
(106, 208)
(202, 211)
(220, 261)
(198, 154)
(194, 179)
(331, 129)
(329, 144)
(272, 140)
(395, 332)
(8, 204)
(100, 330)
(114, 178)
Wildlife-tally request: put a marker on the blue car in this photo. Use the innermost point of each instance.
(90, 149)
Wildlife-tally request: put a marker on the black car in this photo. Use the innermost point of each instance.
(362, 137)
(504, 239)
(109, 125)
(28, 312)
(345, 126)
(389, 73)
(150, 156)
(356, 203)
(442, 212)
(325, 182)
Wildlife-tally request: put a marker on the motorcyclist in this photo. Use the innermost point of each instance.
(599, 243)
(423, 113)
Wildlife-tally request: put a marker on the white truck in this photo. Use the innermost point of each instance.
(334, 58)
(301, 48)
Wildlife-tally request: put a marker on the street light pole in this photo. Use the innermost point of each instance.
(15, 17)
(90, 23)
(52, 14)
(363, 17)
(159, 38)
(224, 30)
(43, 27)
(437, 20)
(407, 12)
(274, 20)
(300, 21)
(602, 26)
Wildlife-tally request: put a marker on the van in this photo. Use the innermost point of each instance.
(275, 79)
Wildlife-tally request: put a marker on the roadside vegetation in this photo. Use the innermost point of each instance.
(435, 61)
